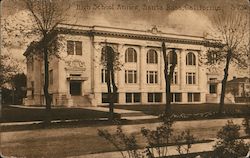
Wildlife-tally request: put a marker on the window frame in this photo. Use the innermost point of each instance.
(152, 56)
(190, 59)
(191, 76)
(51, 77)
(130, 51)
(192, 97)
(130, 73)
(132, 97)
(175, 99)
(152, 77)
(174, 80)
(155, 97)
(76, 47)
(104, 75)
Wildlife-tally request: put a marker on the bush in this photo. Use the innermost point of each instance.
(158, 139)
(125, 144)
(184, 143)
(229, 144)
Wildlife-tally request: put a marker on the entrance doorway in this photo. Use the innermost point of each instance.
(75, 88)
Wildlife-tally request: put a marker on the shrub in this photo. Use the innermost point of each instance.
(229, 144)
(158, 139)
(125, 144)
(184, 142)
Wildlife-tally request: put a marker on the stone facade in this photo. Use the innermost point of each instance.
(78, 78)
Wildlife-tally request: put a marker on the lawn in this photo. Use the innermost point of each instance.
(14, 114)
(185, 108)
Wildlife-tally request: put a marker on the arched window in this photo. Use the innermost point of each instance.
(107, 55)
(172, 57)
(152, 57)
(130, 55)
(190, 59)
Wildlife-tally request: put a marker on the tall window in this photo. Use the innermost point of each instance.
(174, 79)
(154, 97)
(74, 47)
(152, 77)
(51, 77)
(104, 75)
(172, 57)
(212, 57)
(133, 97)
(190, 59)
(130, 55)
(32, 89)
(190, 78)
(32, 63)
(152, 57)
(130, 76)
(194, 97)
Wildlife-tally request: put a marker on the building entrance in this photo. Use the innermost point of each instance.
(75, 88)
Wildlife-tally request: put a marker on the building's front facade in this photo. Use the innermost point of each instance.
(78, 78)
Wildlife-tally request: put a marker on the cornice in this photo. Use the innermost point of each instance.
(154, 37)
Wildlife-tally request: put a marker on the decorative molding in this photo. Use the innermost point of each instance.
(154, 30)
(146, 36)
(75, 64)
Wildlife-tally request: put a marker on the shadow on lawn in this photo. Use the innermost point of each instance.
(16, 114)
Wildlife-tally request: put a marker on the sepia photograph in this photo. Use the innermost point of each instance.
(125, 79)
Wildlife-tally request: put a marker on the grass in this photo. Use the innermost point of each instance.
(185, 108)
(15, 114)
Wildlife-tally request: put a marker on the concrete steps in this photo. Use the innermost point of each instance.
(81, 101)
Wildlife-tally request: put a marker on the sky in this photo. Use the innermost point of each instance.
(190, 17)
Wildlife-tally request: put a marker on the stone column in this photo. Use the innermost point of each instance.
(96, 77)
(120, 75)
(142, 76)
(182, 74)
(182, 70)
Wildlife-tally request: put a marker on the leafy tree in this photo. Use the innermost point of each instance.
(47, 15)
(231, 30)
(8, 68)
(18, 82)
(110, 61)
(168, 74)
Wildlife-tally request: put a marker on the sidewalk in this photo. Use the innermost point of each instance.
(195, 148)
(201, 147)
(125, 114)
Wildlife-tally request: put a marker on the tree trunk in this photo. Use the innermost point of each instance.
(167, 106)
(224, 82)
(114, 95)
(168, 95)
(111, 110)
(46, 87)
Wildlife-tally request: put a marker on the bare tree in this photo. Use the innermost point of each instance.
(47, 14)
(110, 61)
(232, 31)
(168, 73)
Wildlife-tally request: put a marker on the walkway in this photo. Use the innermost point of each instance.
(125, 114)
(195, 148)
